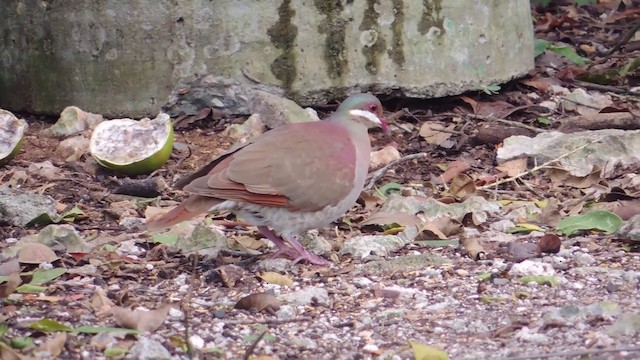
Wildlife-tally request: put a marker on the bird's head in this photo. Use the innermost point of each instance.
(365, 109)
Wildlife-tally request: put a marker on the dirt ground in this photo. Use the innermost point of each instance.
(357, 308)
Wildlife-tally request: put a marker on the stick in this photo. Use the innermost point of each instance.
(376, 175)
(508, 122)
(536, 168)
(253, 345)
(267, 321)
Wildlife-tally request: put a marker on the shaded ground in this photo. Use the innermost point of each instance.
(373, 307)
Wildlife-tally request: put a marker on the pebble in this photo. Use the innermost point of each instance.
(149, 267)
(529, 267)
(196, 341)
(370, 348)
(362, 282)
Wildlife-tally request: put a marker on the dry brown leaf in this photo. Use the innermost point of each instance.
(442, 227)
(9, 267)
(100, 303)
(386, 218)
(7, 353)
(473, 248)
(141, 320)
(563, 178)
(36, 253)
(453, 169)
(627, 209)
(549, 244)
(513, 167)
(7, 288)
(383, 156)
(462, 186)
(55, 345)
(230, 274)
(370, 201)
(258, 302)
(433, 134)
(249, 242)
(275, 278)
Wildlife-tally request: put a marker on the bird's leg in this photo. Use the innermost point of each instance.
(283, 249)
(304, 254)
(291, 248)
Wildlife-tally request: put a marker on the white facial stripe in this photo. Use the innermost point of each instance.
(366, 114)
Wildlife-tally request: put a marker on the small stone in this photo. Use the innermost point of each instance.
(462, 272)
(149, 267)
(612, 287)
(307, 296)
(500, 281)
(147, 349)
(196, 341)
(175, 314)
(370, 348)
(584, 259)
(529, 267)
(362, 282)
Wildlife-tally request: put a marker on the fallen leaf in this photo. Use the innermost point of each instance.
(9, 267)
(36, 253)
(433, 134)
(386, 218)
(48, 325)
(462, 186)
(10, 286)
(101, 303)
(258, 302)
(605, 221)
(426, 352)
(7, 353)
(275, 278)
(139, 319)
(513, 167)
(549, 244)
(230, 274)
(472, 247)
(384, 156)
(55, 345)
(371, 201)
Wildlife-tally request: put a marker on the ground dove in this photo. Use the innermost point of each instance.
(292, 179)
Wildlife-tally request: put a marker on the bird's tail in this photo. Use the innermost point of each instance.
(190, 208)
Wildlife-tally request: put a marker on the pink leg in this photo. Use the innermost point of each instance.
(291, 248)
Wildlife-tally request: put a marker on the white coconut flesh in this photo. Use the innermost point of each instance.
(125, 141)
(11, 131)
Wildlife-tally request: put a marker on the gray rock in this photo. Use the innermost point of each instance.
(18, 207)
(307, 296)
(147, 349)
(631, 229)
(615, 147)
(275, 264)
(276, 111)
(368, 245)
(312, 51)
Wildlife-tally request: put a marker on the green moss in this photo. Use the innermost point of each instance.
(397, 46)
(374, 52)
(334, 27)
(431, 17)
(283, 35)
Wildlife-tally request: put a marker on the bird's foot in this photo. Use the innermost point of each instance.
(291, 248)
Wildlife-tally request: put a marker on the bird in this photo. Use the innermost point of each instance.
(288, 180)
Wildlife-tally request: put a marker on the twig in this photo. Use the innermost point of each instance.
(185, 306)
(253, 345)
(508, 122)
(609, 88)
(625, 39)
(267, 321)
(539, 167)
(573, 354)
(380, 172)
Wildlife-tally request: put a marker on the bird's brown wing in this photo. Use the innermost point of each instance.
(303, 166)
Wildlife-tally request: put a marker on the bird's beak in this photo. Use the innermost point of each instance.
(385, 126)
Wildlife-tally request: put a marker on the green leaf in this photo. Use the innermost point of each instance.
(42, 277)
(115, 352)
(69, 216)
(540, 46)
(48, 325)
(601, 220)
(568, 52)
(388, 188)
(31, 289)
(168, 239)
(523, 229)
(98, 330)
(543, 120)
(539, 279)
(484, 276)
(426, 352)
(3, 328)
(20, 342)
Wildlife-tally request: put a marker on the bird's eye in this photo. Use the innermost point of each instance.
(373, 107)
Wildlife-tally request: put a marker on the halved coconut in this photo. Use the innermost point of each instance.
(133, 147)
(12, 132)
